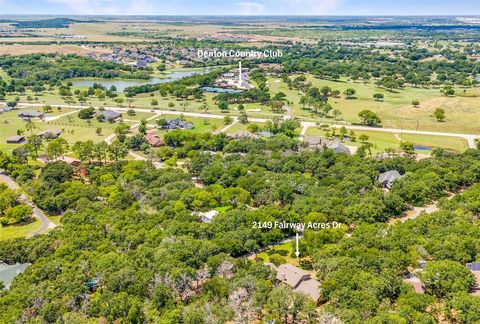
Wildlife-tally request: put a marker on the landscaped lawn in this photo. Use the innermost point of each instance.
(14, 231)
(288, 246)
(383, 140)
(396, 110)
(202, 124)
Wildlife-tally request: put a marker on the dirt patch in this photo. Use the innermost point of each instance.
(18, 49)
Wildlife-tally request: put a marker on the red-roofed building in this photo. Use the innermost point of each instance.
(154, 140)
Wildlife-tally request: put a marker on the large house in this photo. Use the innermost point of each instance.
(338, 147)
(27, 114)
(300, 280)
(176, 124)
(387, 179)
(153, 140)
(315, 142)
(108, 115)
(242, 134)
(50, 134)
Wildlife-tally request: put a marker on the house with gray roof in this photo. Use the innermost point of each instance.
(339, 147)
(15, 139)
(9, 272)
(300, 280)
(314, 141)
(27, 114)
(108, 115)
(175, 124)
(387, 179)
(50, 134)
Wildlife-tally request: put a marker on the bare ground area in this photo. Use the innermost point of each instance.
(18, 49)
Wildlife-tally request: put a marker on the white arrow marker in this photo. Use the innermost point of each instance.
(297, 253)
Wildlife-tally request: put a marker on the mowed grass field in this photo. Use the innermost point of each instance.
(73, 128)
(383, 140)
(144, 100)
(396, 110)
(15, 231)
(201, 124)
(287, 246)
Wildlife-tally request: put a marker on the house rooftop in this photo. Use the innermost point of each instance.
(475, 268)
(300, 280)
(387, 178)
(30, 113)
(9, 272)
(206, 217)
(290, 274)
(338, 147)
(109, 114)
(15, 139)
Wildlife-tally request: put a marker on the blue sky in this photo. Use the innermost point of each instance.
(241, 7)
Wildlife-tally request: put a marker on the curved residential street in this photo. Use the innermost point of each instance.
(37, 212)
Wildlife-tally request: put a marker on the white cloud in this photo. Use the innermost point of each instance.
(90, 7)
(251, 8)
(311, 7)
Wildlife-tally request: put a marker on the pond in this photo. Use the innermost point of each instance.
(122, 84)
(422, 148)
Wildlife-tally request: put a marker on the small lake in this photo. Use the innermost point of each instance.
(122, 84)
(422, 148)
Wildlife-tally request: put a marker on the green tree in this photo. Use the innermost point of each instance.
(117, 150)
(439, 114)
(223, 106)
(369, 118)
(349, 92)
(378, 96)
(443, 278)
(56, 148)
(35, 143)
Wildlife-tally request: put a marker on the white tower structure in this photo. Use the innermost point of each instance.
(240, 74)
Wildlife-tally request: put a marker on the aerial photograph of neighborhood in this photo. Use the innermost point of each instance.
(239, 161)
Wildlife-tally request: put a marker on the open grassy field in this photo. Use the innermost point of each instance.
(201, 124)
(14, 231)
(73, 128)
(288, 246)
(396, 110)
(383, 140)
(144, 100)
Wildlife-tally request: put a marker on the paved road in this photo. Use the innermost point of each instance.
(470, 138)
(46, 223)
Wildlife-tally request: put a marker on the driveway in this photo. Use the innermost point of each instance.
(37, 212)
